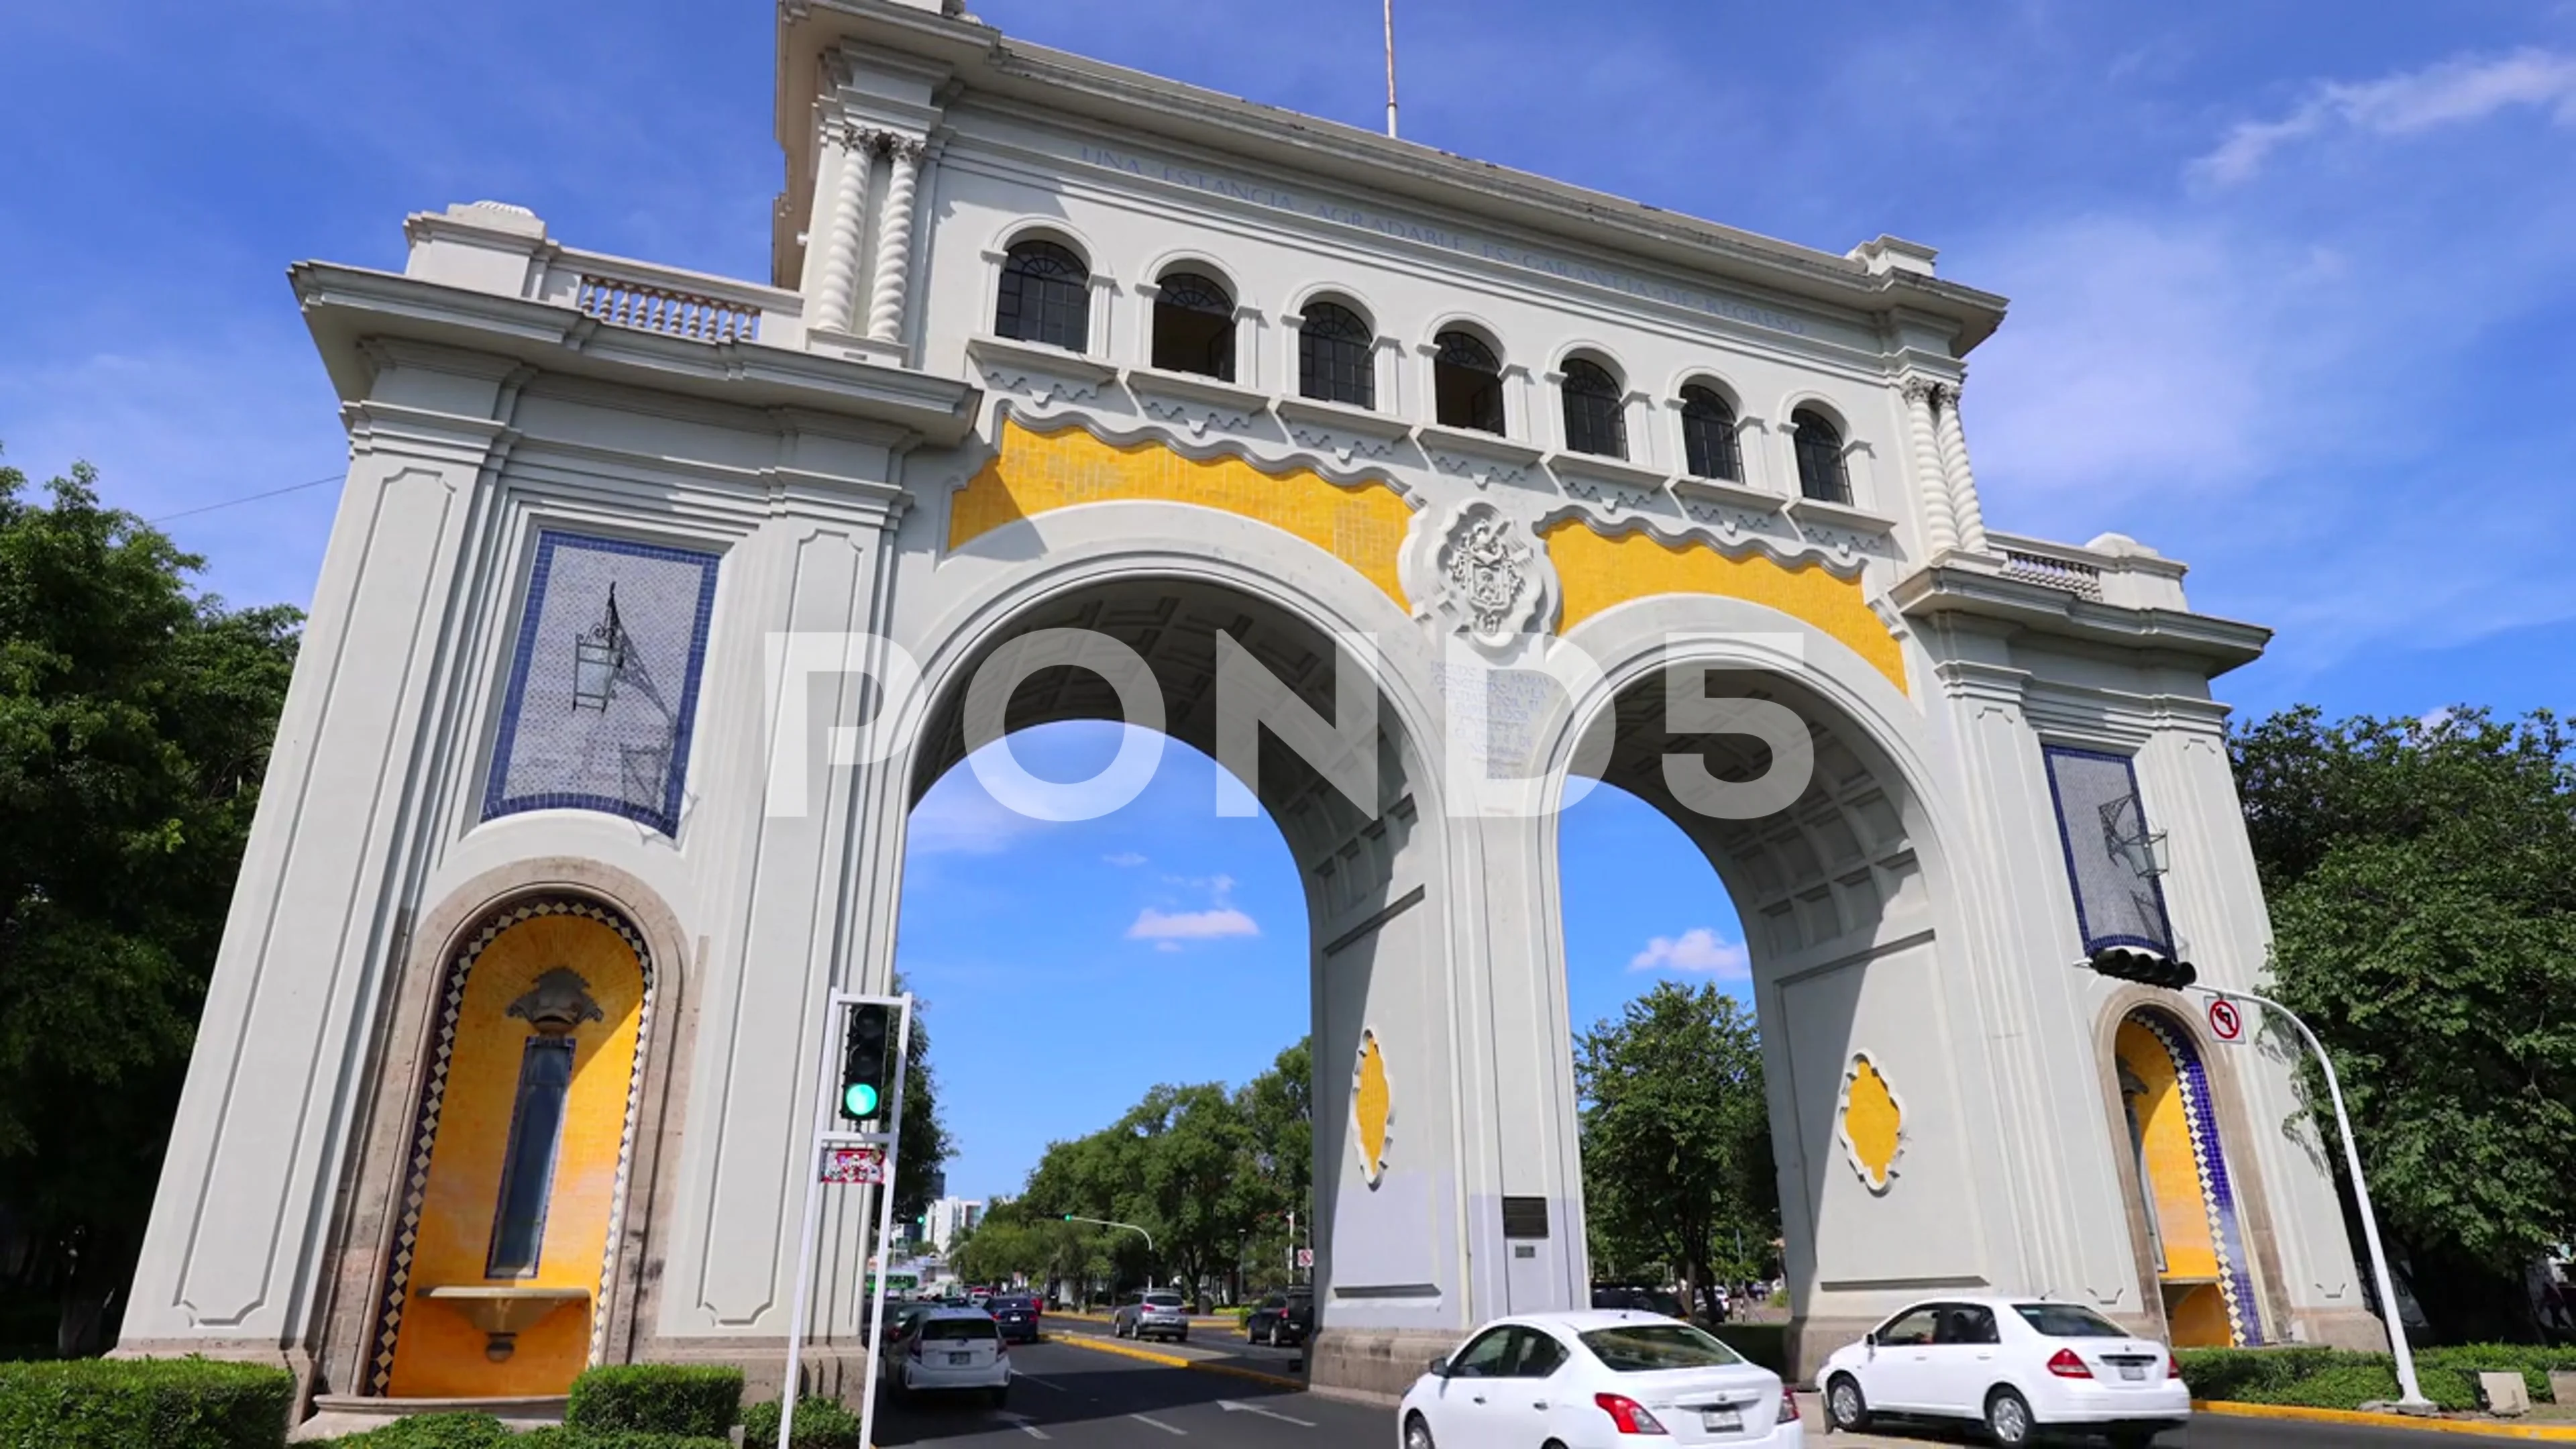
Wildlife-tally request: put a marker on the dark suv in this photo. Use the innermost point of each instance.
(1017, 1315)
(1282, 1318)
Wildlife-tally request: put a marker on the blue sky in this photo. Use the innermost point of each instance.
(2290, 297)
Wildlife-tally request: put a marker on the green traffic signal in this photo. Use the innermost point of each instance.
(864, 1060)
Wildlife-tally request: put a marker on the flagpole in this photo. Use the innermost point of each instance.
(1390, 68)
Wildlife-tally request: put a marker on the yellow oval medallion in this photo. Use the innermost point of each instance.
(1371, 1106)
(1873, 1125)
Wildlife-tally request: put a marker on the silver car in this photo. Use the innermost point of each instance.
(1156, 1313)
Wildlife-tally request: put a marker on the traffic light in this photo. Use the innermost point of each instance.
(863, 1061)
(2147, 968)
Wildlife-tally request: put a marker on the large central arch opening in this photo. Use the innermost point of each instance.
(1353, 871)
(1837, 959)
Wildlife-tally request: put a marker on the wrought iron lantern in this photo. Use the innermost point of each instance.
(2126, 836)
(599, 657)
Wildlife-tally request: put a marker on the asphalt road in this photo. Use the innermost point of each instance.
(1081, 1398)
(1084, 1398)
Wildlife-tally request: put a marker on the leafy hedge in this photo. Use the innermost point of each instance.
(2334, 1378)
(482, 1431)
(657, 1398)
(820, 1424)
(171, 1403)
(1766, 1344)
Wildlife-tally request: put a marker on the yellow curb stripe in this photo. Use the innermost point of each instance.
(1175, 1361)
(2552, 1433)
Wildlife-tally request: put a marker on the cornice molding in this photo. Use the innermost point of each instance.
(2211, 645)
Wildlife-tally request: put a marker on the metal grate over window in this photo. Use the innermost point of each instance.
(1708, 436)
(2119, 895)
(1334, 362)
(1194, 326)
(1466, 383)
(1592, 411)
(1046, 297)
(1820, 458)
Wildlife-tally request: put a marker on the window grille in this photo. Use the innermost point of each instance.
(1046, 297)
(1466, 383)
(1708, 436)
(1820, 458)
(1335, 356)
(1593, 423)
(1194, 326)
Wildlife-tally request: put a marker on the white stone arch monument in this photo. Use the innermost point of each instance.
(592, 502)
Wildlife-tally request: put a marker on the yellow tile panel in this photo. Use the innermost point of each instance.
(2173, 1175)
(437, 1354)
(1034, 473)
(1598, 571)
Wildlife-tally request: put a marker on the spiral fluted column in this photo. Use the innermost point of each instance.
(1941, 526)
(894, 240)
(840, 283)
(1963, 480)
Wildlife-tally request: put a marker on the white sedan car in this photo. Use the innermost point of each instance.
(948, 1348)
(1594, 1380)
(2015, 1364)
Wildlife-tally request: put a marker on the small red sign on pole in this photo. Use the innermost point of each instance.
(2225, 1022)
(863, 1166)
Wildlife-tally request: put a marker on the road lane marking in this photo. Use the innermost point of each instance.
(1021, 1423)
(1174, 1361)
(1159, 1424)
(1041, 1383)
(1231, 1407)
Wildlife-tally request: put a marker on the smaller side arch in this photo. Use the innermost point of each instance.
(2236, 1220)
(374, 1226)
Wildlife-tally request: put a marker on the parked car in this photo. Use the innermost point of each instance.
(1282, 1319)
(949, 1349)
(1643, 1300)
(1591, 1380)
(1154, 1313)
(2016, 1365)
(1017, 1314)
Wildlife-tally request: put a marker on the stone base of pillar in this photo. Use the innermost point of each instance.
(1374, 1362)
(1810, 1341)
(2353, 1328)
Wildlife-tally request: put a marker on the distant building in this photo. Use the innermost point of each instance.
(952, 1218)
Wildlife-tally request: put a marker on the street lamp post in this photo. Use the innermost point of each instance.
(1107, 1223)
(2410, 1393)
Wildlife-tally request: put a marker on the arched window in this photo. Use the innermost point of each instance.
(1820, 457)
(1333, 356)
(1708, 436)
(1592, 413)
(1466, 383)
(1046, 297)
(1194, 325)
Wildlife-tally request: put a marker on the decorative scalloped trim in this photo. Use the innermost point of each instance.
(1203, 449)
(1699, 535)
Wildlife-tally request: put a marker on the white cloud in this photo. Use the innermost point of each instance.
(958, 818)
(2461, 89)
(1125, 859)
(1172, 927)
(1697, 951)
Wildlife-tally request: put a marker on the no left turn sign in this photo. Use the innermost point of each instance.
(2225, 1022)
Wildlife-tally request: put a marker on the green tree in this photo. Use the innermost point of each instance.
(135, 722)
(1278, 1106)
(920, 1176)
(2422, 880)
(1676, 1134)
